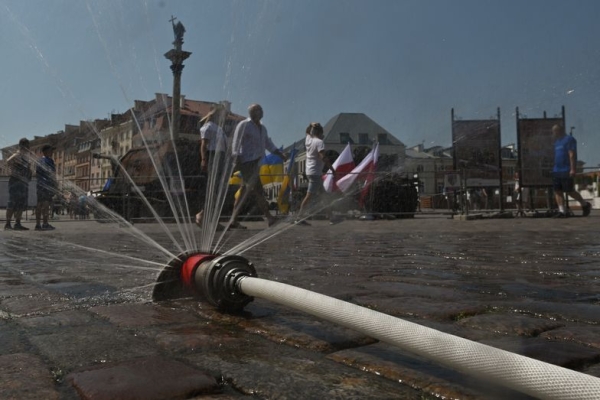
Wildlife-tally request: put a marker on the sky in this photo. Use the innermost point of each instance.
(404, 63)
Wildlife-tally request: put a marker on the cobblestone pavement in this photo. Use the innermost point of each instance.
(77, 320)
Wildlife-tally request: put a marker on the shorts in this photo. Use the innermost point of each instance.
(562, 183)
(44, 195)
(250, 174)
(18, 192)
(315, 184)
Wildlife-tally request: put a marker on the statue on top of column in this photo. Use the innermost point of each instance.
(178, 30)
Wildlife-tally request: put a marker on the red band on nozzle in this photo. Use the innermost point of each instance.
(189, 268)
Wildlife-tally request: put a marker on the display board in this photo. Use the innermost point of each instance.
(536, 150)
(477, 151)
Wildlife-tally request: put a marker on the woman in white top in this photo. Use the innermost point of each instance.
(315, 161)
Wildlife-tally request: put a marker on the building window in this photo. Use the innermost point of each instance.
(345, 138)
(382, 138)
(363, 138)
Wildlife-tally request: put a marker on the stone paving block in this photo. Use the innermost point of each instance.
(293, 329)
(40, 276)
(422, 308)
(545, 292)
(564, 354)
(593, 370)
(58, 319)
(255, 310)
(73, 347)
(151, 378)
(400, 289)
(510, 324)
(6, 260)
(266, 370)
(306, 332)
(10, 339)
(24, 377)
(80, 290)
(38, 304)
(18, 288)
(140, 315)
(196, 337)
(583, 334)
(587, 313)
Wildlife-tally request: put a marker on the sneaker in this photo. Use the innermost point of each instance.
(19, 227)
(38, 227)
(560, 215)
(48, 227)
(301, 222)
(8, 227)
(587, 208)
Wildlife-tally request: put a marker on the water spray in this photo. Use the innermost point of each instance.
(230, 282)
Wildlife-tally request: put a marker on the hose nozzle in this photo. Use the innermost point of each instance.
(212, 277)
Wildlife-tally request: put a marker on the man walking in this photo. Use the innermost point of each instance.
(250, 140)
(565, 160)
(45, 172)
(18, 185)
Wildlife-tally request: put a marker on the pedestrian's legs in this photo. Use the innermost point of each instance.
(238, 203)
(303, 205)
(559, 198)
(261, 202)
(38, 212)
(45, 211)
(18, 214)
(577, 196)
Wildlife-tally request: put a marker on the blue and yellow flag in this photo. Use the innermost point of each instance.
(271, 169)
(283, 200)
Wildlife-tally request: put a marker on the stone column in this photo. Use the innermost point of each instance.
(177, 56)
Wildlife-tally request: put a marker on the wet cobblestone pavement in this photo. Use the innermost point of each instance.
(77, 320)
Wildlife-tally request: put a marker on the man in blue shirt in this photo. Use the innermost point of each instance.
(565, 160)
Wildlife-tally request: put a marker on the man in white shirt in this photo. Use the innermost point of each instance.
(315, 161)
(250, 140)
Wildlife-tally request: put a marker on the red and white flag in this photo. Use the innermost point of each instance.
(342, 165)
(369, 162)
(370, 172)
